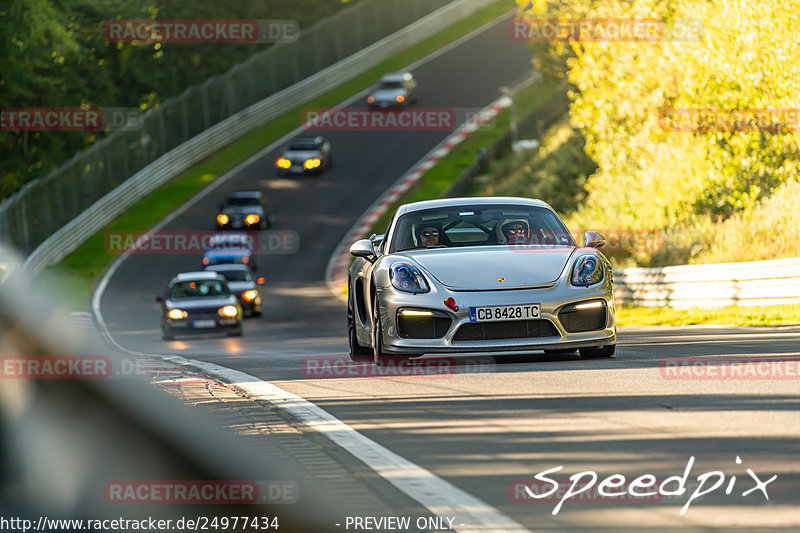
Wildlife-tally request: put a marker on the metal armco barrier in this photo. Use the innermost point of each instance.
(772, 282)
(52, 216)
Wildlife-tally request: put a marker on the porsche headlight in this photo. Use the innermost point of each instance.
(587, 271)
(407, 278)
(222, 219)
(252, 219)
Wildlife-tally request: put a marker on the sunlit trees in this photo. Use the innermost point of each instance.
(747, 58)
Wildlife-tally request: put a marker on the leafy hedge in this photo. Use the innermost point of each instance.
(53, 53)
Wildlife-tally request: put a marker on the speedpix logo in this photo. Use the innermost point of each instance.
(544, 488)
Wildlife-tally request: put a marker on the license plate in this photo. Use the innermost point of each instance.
(204, 323)
(499, 313)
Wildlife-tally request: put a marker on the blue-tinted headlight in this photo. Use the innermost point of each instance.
(407, 278)
(587, 271)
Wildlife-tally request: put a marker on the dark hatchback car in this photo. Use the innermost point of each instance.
(231, 248)
(243, 283)
(199, 302)
(245, 210)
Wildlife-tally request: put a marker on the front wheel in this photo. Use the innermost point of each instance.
(380, 357)
(357, 352)
(166, 333)
(598, 352)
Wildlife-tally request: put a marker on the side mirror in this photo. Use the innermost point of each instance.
(376, 240)
(363, 248)
(592, 239)
(260, 280)
(159, 299)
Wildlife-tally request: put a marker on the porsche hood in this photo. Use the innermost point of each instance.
(518, 267)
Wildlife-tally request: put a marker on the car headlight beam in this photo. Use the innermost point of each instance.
(312, 163)
(222, 219)
(283, 163)
(229, 311)
(408, 278)
(176, 314)
(252, 219)
(588, 270)
(249, 296)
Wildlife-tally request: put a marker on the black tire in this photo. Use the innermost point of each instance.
(166, 333)
(598, 352)
(357, 352)
(236, 332)
(380, 357)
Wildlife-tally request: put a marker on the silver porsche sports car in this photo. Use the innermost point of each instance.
(477, 275)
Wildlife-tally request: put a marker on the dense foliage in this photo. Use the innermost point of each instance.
(697, 185)
(53, 53)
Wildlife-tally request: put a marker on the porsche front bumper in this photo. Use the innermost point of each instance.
(453, 331)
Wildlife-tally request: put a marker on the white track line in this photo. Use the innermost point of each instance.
(433, 492)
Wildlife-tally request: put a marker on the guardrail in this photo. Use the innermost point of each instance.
(770, 282)
(68, 433)
(17, 221)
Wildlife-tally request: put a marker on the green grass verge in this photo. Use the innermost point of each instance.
(771, 315)
(80, 269)
(435, 181)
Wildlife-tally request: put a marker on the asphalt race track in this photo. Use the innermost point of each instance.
(485, 423)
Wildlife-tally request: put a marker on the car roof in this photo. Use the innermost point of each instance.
(201, 275)
(245, 194)
(466, 202)
(396, 76)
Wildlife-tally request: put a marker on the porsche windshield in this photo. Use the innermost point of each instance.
(479, 226)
